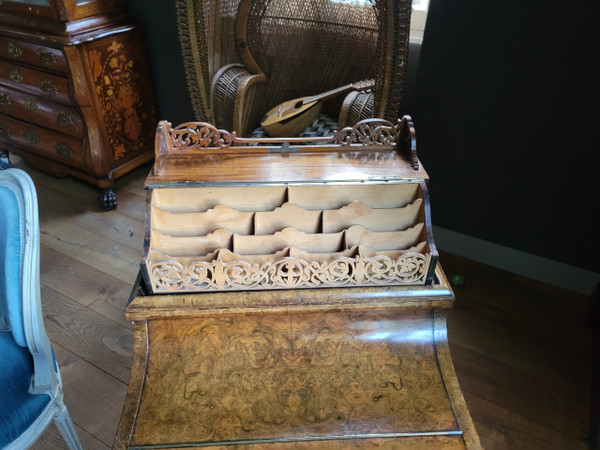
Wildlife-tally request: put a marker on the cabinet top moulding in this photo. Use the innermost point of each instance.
(62, 17)
(61, 10)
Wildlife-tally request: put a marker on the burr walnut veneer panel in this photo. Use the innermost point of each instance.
(335, 368)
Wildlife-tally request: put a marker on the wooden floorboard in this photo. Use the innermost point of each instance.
(101, 292)
(522, 349)
(522, 352)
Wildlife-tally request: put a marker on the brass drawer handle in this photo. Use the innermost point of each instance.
(64, 151)
(64, 118)
(32, 136)
(30, 103)
(15, 76)
(12, 48)
(45, 57)
(4, 99)
(48, 87)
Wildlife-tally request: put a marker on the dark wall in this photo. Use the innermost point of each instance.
(506, 112)
(160, 25)
(507, 118)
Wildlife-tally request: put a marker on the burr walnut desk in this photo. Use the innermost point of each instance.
(290, 297)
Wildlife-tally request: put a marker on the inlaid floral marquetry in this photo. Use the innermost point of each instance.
(121, 92)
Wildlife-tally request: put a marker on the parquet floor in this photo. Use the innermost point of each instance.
(522, 349)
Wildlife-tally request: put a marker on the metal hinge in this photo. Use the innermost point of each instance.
(285, 148)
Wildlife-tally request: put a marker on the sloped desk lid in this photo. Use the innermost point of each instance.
(374, 150)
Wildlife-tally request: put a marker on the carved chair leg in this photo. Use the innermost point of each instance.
(4, 161)
(65, 426)
(108, 199)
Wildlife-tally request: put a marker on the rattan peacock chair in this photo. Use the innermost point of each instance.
(243, 57)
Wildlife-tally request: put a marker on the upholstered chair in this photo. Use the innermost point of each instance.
(243, 57)
(30, 385)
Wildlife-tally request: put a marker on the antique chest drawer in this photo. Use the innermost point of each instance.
(51, 145)
(78, 71)
(279, 217)
(44, 112)
(29, 53)
(44, 84)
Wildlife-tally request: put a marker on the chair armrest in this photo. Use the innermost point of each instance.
(356, 107)
(237, 100)
(27, 325)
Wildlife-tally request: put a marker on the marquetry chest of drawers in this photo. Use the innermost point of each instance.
(290, 297)
(76, 96)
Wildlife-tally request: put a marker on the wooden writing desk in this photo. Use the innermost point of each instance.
(362, 365)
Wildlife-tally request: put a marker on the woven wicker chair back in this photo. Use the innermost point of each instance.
(254, 54)
(309, 47)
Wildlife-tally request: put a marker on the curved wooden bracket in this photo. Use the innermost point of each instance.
(241, 36)
(407, 142)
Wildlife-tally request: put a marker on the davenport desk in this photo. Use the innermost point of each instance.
(289, 297)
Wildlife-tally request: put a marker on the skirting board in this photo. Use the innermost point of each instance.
(516, 261)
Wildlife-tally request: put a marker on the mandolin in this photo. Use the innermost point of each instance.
(292, 117)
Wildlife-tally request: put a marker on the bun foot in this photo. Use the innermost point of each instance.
(108, 200)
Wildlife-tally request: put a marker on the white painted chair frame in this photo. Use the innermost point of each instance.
(46, 375)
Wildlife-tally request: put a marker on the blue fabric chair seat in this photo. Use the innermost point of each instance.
(23, 338)
(18, 408)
